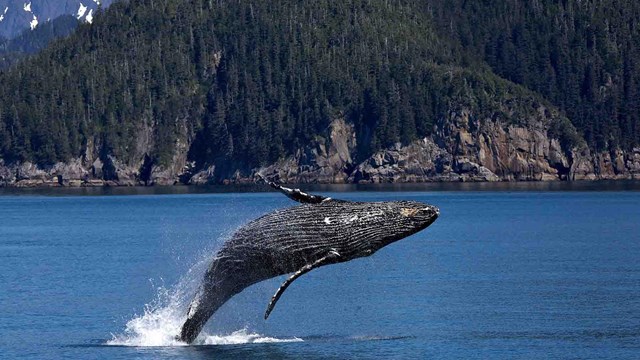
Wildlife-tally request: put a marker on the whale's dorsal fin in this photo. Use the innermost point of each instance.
(327, 259)
(296, 194)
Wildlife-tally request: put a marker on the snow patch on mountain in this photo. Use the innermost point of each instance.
(81, 11)
(13, 20)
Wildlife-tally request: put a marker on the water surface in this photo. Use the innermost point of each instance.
(501, 274)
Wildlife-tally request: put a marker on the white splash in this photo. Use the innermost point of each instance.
(27, 7)
(163, 318)
(242, 336)
(159, 326)
(89, 17)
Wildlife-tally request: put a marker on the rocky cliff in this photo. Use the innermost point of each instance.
(509, 145)
(96, 169)
(506, 146)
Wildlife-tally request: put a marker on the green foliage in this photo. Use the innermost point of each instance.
(32, 41)
(252, 81)
(582, 55)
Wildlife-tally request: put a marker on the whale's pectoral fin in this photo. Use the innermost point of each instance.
(296, 194)
(329, 258)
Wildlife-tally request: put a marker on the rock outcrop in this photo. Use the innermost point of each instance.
(326, 160)
(463, 147)
(522, 151)
(92, 170)
(420, 161)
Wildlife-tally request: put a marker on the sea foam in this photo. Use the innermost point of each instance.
(163, 318)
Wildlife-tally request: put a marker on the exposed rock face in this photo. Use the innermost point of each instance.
(327, 160)
(7, 177)
(118, 172)
(463, 147)
(169, 175)
(93, 170)
(582, 167)
(72, 173)
(508, 151)
(418, 162)
(618, 164)
(204, 177)
(633, 163)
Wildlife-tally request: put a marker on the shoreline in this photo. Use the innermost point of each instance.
(496, 153)
(180, 189)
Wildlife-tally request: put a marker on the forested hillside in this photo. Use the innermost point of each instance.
(581, 55)
(32, 41)
(17, 16)
(253, 80)
(242, 84)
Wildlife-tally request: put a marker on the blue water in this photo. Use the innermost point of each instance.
(516, 275)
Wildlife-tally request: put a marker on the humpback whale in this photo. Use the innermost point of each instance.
(318, 232)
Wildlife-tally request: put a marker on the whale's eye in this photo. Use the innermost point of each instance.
(408, 212)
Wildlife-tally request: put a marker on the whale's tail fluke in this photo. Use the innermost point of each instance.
(295, 194)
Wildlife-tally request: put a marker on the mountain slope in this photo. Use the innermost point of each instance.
(199, 90)
(580, 55)
(31, 41)
(19, 15)
(245, 62)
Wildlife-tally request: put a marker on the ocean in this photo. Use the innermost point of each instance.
(517, 272)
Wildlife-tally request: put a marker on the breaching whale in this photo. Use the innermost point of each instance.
(320, 231)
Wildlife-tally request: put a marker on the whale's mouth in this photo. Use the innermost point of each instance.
(434, 209)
